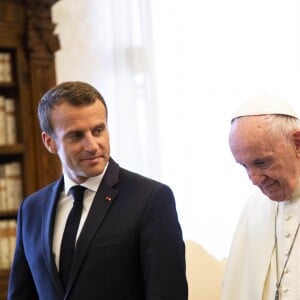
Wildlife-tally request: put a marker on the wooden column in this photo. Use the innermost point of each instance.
(41, 45)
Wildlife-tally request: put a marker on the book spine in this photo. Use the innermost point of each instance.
(7, 67)
(3, 198)
(13, 185)
(2, 121)
(11, 129)
(4, 246)
(2, 67)
(7, 242)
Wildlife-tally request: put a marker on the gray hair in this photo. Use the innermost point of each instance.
(277, 124)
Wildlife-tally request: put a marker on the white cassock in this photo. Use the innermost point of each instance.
(251, 268)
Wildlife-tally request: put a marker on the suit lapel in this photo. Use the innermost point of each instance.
(49, 208)
(101, 204)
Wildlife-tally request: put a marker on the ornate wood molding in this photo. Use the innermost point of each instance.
(41, 40)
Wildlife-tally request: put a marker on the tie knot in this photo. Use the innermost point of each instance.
(77, 192)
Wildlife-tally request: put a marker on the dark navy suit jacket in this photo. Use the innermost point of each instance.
(130, 247)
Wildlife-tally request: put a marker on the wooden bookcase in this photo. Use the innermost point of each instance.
(27, 34)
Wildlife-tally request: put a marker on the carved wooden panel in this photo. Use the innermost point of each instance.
(41, 40)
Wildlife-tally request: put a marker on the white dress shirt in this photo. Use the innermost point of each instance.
(64, 207)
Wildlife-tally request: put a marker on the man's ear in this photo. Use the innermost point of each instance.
(296, 141)
(49, 143)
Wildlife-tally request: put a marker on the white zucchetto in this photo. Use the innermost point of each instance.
(265, 105)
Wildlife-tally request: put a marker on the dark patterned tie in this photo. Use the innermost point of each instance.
(69, 237)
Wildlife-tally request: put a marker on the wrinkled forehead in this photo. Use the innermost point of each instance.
(249, 140)
(248, 124)
(247, 132)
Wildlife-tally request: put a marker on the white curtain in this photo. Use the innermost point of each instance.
(173, 72)
(210, 56)
(108, 43)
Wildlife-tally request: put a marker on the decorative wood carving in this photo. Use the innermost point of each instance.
(41, 40)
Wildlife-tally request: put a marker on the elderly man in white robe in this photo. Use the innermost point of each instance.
(264, 259)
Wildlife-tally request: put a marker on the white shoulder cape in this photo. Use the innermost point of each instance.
(251, 251)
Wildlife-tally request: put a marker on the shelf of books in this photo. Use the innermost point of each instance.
(27, 69)
(11, 155)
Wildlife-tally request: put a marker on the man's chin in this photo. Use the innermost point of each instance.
(94, 173)
(274, 196)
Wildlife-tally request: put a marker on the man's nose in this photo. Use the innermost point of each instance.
(256, 176)
(90, 143)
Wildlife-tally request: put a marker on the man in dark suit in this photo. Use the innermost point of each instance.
(129, 242)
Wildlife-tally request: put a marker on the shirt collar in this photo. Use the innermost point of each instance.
(92, 183)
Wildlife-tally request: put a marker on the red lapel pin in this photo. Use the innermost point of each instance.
(108, 199)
